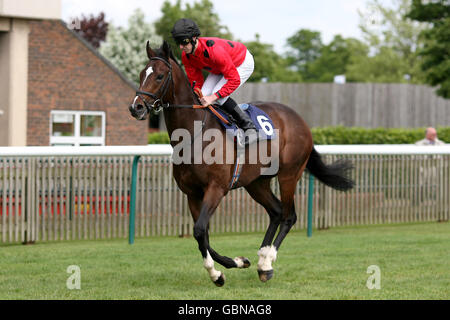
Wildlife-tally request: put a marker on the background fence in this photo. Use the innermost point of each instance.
(369, 105)
(64, 197)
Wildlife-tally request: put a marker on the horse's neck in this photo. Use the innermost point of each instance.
(182, 118)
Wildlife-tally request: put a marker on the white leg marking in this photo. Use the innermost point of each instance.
(267, 255)
(239, 262)
(208, 263)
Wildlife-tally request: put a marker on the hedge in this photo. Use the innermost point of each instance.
(350, 135)
(158, 138)
(356, 135)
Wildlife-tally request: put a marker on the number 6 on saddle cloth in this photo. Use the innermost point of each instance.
(263, 123)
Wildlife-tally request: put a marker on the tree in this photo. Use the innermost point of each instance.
(386, 66)
(318, 62)
(306, 46)
(269, 66)
(93, 29)
(436, 49)
(394, 39)
(336, 58)
(125, 47)
(201, 12)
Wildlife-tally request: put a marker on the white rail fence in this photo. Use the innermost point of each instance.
(65, 193)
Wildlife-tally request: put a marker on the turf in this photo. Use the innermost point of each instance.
(414, 261)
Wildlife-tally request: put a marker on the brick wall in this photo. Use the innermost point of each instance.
(64, 74)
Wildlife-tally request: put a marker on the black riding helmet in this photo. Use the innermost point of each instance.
(185, 29)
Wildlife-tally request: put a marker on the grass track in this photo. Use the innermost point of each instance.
(414, 260)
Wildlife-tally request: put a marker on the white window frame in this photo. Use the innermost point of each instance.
(78, 140)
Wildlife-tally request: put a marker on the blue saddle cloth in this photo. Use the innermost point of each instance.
(263, 123)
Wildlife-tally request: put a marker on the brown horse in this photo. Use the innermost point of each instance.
(163, 84)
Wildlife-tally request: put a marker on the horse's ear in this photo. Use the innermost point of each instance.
(150, 52)
(166, 49)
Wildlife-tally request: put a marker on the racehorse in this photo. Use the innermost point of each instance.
(163, 84)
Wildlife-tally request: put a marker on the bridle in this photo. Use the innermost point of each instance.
(158, 102)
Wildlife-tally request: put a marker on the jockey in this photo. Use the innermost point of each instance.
(229, 63)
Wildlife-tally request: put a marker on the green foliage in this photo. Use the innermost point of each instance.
(395, 49)
(125, 47)
(306, 46)
(269, 66)
(336, 58)
(158, 138)
(385, 67)
(393, 40)
(201, 12)
(356, 135)
(436, 50)
(388, 53)
(350, 135)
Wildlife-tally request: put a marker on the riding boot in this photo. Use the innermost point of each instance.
(243, 120)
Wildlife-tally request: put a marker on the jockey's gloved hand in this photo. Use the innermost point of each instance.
(198, 92)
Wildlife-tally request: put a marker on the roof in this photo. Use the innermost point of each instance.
(100, 56)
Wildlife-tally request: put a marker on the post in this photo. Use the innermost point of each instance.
(133, 199)
(310, 204)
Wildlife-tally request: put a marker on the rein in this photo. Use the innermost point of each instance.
(158, 103)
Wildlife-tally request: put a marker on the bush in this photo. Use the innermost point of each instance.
(158, 138)
(356, 135)
(349, 135)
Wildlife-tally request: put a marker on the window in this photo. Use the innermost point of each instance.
(77, 128)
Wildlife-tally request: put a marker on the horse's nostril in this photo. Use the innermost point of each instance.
(139, 107)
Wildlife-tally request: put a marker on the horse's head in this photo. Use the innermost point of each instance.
(155, 83)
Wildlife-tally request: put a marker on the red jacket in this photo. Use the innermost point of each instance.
(217, 56)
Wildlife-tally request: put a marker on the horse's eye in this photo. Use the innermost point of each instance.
(160, 77)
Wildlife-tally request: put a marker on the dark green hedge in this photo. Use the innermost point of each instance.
(158, 138)
(350, 135)
(356, 135)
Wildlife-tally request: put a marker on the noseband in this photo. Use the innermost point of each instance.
(158, 103)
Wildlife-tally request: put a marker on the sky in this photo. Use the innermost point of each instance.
(275, 21)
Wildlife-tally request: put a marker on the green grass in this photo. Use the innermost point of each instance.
(414, 260)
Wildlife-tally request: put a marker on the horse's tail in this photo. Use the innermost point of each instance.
(334, 175)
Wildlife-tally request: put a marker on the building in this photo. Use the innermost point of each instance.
(55, 89)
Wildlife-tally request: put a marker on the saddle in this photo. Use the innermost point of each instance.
(263, 123)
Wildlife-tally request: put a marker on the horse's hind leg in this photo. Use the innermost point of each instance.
(260, 191)
(289, 217)
(268, 254)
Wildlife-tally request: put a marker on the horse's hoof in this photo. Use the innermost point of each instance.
(265, 276)
(242, 262)
(220, 281)
(246, 262)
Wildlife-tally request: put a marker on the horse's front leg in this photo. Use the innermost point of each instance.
(202, 214)
(238, 262)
